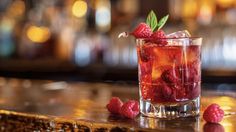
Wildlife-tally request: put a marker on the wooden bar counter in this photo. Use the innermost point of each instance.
(32, 105)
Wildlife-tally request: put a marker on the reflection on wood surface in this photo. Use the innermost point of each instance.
(28, 105)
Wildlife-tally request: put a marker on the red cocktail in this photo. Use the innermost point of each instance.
(169, 75)
(169, 67)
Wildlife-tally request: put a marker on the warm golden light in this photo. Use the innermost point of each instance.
(189, 8)
(228, 126)
(205, 13)
(38, 34)
(17, 8)
(226, 107)
(82, 107)
(80, 112)
(79, 8)
(225, 3)
(152, 123)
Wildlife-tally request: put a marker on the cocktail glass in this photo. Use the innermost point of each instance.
(169, 72)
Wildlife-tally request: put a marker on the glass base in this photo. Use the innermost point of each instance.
(173, 110)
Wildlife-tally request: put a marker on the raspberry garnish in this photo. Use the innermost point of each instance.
(213, 113)
(142, 31)
(145, 30)
(114, 105)
(158, 37)
(158, 34)
(130, 109)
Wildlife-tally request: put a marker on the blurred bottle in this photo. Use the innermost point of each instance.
(37, 39)
(7, 46)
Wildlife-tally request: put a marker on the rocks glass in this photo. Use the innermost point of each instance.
(169, 72)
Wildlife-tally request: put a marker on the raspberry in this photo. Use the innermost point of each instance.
(191, 73)
(146, 68)
(174, 54)
(130, 109)
(166, 91)
(179, 92)
(142, 31)
(213, 113)
(158, 37)
(158, 34)
(171, 75)
(213, 127)
(146, 52)
(114, 105)
(157, 72)
(162, 93)
(187, 73)
(193, 90)
(184, 80)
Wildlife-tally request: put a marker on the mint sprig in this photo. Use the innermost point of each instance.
(162, 22)
(153, 22)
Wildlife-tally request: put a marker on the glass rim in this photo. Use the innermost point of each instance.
(172, 41)
(179, 38)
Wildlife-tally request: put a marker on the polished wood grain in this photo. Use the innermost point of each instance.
(30, 105)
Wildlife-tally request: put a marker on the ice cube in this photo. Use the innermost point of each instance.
(179, 34)
(183, 38)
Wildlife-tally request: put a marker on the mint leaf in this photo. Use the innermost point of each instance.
(162, 22)
(152, 20)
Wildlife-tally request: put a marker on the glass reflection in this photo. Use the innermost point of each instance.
(188, 124)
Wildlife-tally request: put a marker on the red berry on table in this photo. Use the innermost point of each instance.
(130, 109)
(114, 105)
(142, 31)
(213, 113)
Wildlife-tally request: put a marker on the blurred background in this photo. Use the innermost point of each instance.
(76, 40)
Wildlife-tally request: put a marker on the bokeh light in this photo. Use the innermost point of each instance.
(205, 13)
(225, 3)
(17, 8)
(103, 15)
(189, 9)
(38, 34)
(79, 8)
